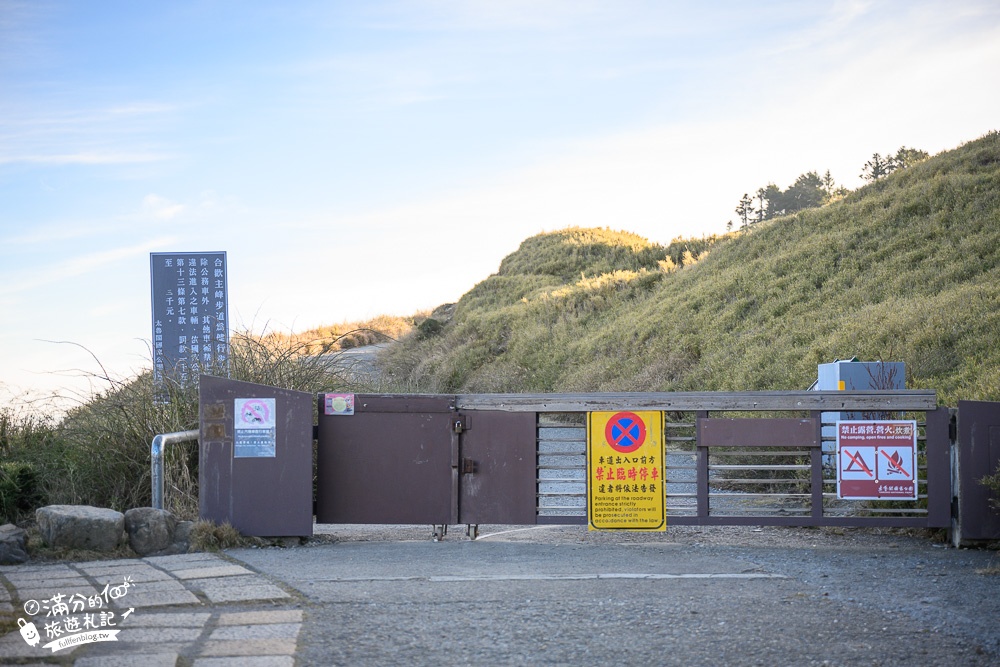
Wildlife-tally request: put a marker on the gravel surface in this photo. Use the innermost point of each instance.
(562, 595)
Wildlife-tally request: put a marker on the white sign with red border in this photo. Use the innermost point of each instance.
(876, 460)
(255, 430)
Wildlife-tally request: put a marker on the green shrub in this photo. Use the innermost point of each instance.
(429, 327)
(25, 438)
(20, 491)
(992, 482)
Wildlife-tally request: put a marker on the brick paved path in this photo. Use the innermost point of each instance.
(201, 609)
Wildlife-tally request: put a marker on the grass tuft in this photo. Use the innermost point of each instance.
(209, 536)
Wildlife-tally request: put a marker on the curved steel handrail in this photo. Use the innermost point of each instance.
(156, 450)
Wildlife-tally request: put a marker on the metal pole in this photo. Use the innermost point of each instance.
(156, 450)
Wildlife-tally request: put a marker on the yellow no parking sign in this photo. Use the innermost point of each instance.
(625, 471)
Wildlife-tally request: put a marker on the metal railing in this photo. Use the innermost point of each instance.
(156, 451)
(778, 484)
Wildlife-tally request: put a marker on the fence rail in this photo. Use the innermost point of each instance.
(839, 401)
(737, 471)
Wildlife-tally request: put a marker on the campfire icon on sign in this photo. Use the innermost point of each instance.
(895, 464)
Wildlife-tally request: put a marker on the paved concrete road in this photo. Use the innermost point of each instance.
(371, 595)
(563, 596)
(358, 364)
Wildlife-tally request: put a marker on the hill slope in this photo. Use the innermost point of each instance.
(905, 269)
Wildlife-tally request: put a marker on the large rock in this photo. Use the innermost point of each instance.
(12, 545)
(81, 527)
(150, 531)
(182, 538)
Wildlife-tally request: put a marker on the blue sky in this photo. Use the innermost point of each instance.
(357, 158)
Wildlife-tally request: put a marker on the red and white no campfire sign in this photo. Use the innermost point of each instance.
(877, 460)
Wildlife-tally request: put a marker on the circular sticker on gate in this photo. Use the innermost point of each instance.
(625, 432)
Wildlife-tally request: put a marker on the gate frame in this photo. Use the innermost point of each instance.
(938, 431)
(976, 455)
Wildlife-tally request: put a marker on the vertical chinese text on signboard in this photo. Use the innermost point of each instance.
(190, 317)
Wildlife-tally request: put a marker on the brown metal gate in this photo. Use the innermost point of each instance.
(978, 456)
(497, 471)
(417, 460)
(520, 459)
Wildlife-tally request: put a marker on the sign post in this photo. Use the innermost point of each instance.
(190, 317)
(877, 460)
(625, 471)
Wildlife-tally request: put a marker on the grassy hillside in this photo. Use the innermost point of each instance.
(343, 336)
(905, 269)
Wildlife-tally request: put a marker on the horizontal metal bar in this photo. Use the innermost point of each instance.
(578, 516)
(740, 494)
(760, 518)
(746, 480)
(743, 453)
(759, 467)
(839, 401)
(874, 522)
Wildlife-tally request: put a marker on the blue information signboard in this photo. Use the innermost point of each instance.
(190, 317)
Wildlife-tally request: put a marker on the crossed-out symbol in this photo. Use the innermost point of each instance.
(895, 463)
(857, 458)
(625, 432)
(256, 411)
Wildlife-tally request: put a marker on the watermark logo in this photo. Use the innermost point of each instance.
(75, 619)
(29, 632)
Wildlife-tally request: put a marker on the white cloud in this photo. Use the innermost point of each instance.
(161, 208)
(85, 158)
(142, 108)
(36, 277)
